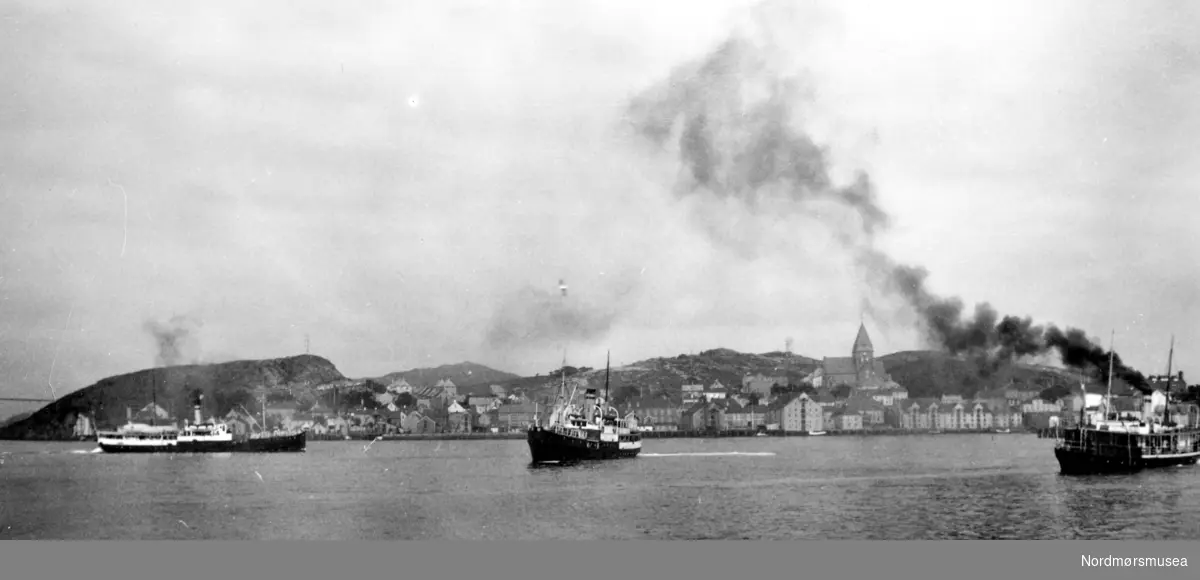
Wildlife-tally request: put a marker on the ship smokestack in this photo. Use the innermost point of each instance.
(196, 403)
(589, 403)
(128, 415)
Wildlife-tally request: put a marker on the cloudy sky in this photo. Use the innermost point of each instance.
(406, 183)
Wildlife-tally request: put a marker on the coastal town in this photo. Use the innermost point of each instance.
(843, 395)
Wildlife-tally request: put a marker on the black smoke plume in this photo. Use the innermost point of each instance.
(175, 340)
(739, 137)
(736, 119)
(993, 341)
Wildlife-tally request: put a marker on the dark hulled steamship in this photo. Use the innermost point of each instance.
(573, 433)
(1106, 442)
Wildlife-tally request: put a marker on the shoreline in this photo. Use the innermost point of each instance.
(656, 435)
(645, 435)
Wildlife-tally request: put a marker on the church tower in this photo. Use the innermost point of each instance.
(863, 355)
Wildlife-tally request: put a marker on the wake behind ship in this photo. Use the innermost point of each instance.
(578, 434)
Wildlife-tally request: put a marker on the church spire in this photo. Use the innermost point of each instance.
(862, 343)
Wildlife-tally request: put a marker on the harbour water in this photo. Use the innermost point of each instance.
(915, 487)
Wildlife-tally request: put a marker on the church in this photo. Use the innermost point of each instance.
(860, 370)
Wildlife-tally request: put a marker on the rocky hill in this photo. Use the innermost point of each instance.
(14, 418)
(224, 385)
(923, 373)
(464, 374)
(663, 377)
(307, 380)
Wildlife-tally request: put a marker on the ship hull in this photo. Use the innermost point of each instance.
(280, 444)
(1171, 461)
(1079, 463)
(1072, 462)
(550, 447)
(119, 448)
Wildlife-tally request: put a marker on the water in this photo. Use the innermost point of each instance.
(916, 487)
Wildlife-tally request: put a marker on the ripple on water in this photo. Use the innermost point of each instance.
(1003, 487)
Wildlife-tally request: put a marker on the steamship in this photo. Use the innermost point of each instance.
(1105, 442)
(209, 436)
(591, 432)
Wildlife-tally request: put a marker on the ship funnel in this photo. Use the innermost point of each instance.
(128, 415)
(196, 410)
(589, 403)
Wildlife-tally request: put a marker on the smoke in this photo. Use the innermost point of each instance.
(533, 317)
(739, 137)
(737, 116)
(989, 339)
(175, 340)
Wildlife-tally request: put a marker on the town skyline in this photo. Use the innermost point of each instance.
(405, 197)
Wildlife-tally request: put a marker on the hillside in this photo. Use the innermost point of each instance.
(464, 374)
(14, 418)
(663, 377)
(923, 373)
(307, 379)
(223, 385)
(932, 374)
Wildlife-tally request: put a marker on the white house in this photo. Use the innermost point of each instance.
(1040, 405)
(716, 391)
(399, 386)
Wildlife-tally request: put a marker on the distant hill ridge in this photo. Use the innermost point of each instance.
(463, 374)
(226, 385)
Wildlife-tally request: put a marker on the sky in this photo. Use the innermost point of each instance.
(406, 183)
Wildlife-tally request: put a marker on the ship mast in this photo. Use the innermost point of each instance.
(1108, 396)
(1167, 406)
(153, 401)
(560, 409)
(562, 388)
(607, 365)
(1083, 406)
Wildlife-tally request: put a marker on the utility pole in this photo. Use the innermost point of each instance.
(305, 343)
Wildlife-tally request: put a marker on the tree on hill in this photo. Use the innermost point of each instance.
(568, 370)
